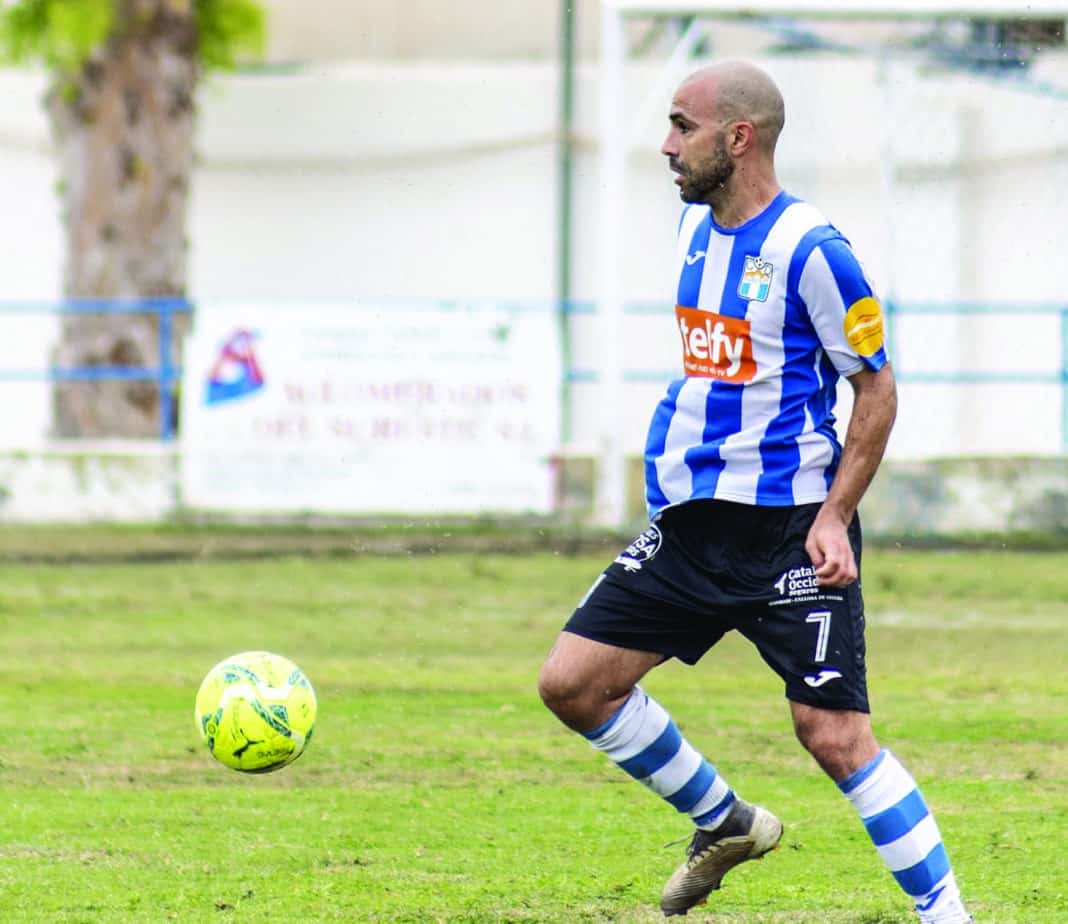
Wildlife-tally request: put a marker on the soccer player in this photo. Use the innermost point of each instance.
(752, 503)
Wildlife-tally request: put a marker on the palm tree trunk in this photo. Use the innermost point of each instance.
(123, 129)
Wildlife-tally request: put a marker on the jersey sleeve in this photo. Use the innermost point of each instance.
(844, 311)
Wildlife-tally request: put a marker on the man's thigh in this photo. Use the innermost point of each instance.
(576, 663)
(648, 600)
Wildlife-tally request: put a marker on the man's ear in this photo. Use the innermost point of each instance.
(741, 136)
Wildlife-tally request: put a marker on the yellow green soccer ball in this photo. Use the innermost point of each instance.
(256, 711)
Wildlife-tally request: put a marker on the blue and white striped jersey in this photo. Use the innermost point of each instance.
(770, 314)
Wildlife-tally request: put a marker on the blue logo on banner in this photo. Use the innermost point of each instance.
(236, 372)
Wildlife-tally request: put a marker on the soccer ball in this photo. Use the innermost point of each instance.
(256, 711)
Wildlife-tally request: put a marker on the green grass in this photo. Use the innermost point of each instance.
(437, 788)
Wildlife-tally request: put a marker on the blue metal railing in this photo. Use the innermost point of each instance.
(893, 311)
(166, 374)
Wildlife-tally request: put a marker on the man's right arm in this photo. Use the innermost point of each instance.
(874, 410)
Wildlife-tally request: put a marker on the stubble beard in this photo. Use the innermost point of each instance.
(706, 181)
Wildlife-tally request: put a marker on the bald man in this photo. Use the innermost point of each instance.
(752, 502)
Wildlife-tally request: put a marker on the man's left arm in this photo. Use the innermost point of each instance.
(874, 410)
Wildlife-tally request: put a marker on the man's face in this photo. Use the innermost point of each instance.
(696, 146)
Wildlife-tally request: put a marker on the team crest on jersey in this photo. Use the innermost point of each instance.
(640, 550)
(756, 279)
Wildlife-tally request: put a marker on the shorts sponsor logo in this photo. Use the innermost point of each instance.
(863, 326)
(640, 550)
(800, 585)
(824, 676)
(715, 346)
(798, 582)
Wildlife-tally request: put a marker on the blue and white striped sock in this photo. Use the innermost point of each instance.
(904, 832)
(643, 740)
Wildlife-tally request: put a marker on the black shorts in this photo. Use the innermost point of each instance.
(710, 566)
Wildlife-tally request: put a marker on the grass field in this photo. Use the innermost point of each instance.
(437, 788)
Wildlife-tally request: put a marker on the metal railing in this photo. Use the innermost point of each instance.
(894, 311)
(165, 374)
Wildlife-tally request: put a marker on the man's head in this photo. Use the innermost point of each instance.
(723, 117)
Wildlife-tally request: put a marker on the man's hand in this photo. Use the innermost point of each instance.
(828, 547)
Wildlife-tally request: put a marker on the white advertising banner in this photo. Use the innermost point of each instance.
(358, 408)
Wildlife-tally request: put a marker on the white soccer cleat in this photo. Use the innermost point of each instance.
(748, 833)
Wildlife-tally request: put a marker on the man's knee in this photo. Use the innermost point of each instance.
(840, 741)
(568, 697)
(584, 682)
(825, 742)
(556, 686)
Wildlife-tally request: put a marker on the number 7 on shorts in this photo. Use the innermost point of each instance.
(823, 617)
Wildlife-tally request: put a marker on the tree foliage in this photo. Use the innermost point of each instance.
(228, 30)
(63, 34)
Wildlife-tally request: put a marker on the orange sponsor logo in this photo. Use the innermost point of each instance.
(715, 346)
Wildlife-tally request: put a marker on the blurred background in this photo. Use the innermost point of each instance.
(344, 259)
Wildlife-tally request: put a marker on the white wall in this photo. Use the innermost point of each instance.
(407, 181)
(340, 30)
(438, 181)
(30, 254)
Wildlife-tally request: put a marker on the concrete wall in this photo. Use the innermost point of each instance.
(90, 483)
(928, 498)
(969, 495)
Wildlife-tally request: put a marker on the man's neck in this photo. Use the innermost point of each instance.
(742, 198)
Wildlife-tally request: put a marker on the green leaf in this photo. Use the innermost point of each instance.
(60, 33)
(63, 34)
(230, 30)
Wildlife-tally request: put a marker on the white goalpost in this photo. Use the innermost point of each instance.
(616, 131)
